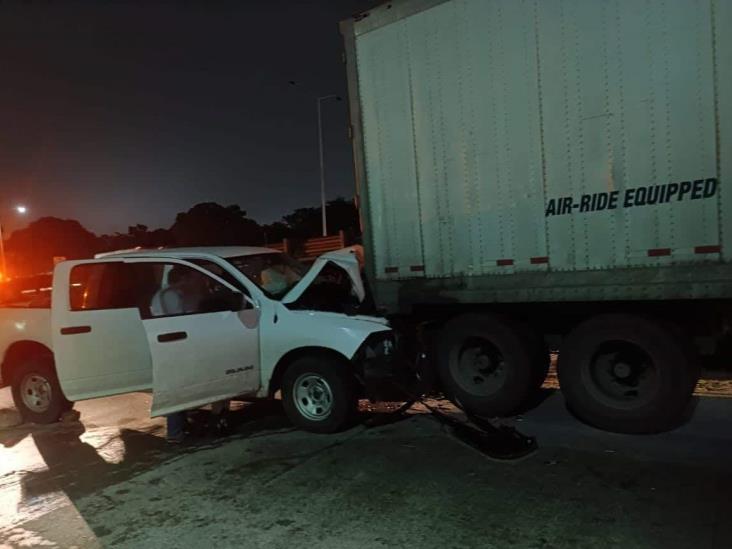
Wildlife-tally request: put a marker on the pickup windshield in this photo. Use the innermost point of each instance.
(274, 273)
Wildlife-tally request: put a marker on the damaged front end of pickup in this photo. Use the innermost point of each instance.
(388, 370)
(391, 364)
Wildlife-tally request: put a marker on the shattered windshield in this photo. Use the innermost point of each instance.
(274, 273)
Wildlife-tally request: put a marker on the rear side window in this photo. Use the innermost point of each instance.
(101, 286)
(155, 289)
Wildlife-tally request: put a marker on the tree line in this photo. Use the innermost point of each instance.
(33, 249)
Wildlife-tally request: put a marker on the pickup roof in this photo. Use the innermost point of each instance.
(197, 325)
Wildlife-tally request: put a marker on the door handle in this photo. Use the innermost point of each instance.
(73, 330)
(172, 336)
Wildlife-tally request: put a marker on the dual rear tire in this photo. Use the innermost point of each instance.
(490, 364)
(618, 372)
(628, 374)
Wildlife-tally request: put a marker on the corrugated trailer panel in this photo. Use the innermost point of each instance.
(627, 96)
(555, 136)
(723, 79)
(577, 133)
(691, 134)
(432, 62)
(476, 136)
(505, 127)
(389, 152)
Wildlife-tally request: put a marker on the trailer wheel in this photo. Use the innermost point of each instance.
(36, 391)
(319, 394)
(487, 364)
(627, 374)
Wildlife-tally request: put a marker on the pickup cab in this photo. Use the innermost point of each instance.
(194, 326)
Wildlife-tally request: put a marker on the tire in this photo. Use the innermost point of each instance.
(488, 364)
(35, 381)
(628, 374)
(319, 394)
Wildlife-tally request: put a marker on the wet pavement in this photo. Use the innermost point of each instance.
(112, 481)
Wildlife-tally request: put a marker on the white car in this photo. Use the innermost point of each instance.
(197, 325)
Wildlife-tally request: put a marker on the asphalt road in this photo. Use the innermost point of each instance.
(111, 481)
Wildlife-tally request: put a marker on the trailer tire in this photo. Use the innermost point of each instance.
(487, 364)
(627, 374)
(36, 391)
(319, 394)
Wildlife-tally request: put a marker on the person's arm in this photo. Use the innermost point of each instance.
(171, 302)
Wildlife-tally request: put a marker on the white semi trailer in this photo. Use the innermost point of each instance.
(551, 174)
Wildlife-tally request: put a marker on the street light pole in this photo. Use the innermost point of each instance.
(322, 159)
(21, 210)
(2, 253)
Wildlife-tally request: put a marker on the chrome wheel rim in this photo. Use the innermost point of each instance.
(313, 397)
(35, 391)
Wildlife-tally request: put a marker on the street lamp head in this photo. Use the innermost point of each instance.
(21, 209)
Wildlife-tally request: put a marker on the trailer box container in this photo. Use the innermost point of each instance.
(528, 157)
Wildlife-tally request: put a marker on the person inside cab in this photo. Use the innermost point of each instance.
(186, 293)
(185, 290)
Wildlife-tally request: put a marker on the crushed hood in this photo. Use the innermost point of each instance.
(346, 259)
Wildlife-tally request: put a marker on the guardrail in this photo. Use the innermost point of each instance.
(309, 249)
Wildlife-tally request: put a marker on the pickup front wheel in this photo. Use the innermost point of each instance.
(319, 394)
(37, 393)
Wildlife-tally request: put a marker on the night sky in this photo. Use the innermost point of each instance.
(117, 113)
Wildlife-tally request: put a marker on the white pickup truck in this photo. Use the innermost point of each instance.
(195, 326)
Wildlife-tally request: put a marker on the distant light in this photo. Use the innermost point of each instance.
(21, 209)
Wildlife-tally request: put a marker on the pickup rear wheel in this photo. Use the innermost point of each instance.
(627, 373)
(319, 394)
(36, 391)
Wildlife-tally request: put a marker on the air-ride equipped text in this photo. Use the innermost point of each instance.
(638, 196)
